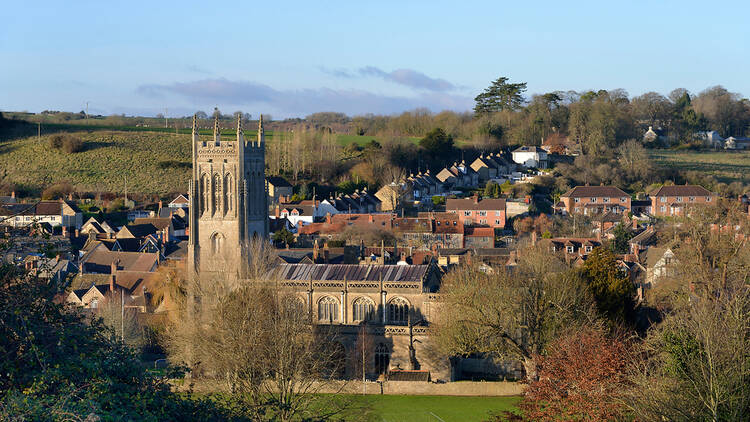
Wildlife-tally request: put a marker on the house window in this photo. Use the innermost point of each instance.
(679, 199)
(593, 200)
(497, 213)
(382, 358)
(398, 311)
(569, 249)
(577, 200)
(328, 309)
(467, 213)
(692, 199)
(363, 309)
(482, 221)
(708, 199)
(588, 249)
(623, 199)
(663, 199)
(482, 213)
(663, 208)
(497, 222)
(94, 303)
(605, 200)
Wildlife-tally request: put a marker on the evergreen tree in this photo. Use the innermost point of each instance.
(500, 95)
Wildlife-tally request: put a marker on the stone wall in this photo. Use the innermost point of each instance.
(420, 388)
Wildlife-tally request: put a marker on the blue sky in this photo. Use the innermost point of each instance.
(294, 58)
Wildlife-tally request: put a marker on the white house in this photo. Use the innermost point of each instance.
(737, 143)
(530, 156)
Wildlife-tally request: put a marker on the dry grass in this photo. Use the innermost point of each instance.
(726, 166)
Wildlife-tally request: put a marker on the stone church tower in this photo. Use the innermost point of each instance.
(228, 201)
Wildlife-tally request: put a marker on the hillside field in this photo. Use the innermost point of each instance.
(726, 166)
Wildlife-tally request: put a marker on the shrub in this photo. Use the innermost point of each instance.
(57, 191)
(67, 143)
(56, 141)
(72, 145)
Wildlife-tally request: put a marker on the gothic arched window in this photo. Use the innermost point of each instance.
(203, 194)
(398, 311)
(217, 244)
(215, 189)
(382, 358)
(228, 194)
(328, 309)
(363, 309)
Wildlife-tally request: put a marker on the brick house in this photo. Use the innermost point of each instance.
(476, 211)
(479, 237)
(672, 200)
(595, 199)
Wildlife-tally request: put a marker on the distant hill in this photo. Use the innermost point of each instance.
(152, 162)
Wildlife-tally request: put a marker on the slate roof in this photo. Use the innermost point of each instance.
(349, 272)
(595, 191)
(159, 223)
(278, 182)
(682, 190)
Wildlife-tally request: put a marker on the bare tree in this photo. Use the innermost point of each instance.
(511, 314)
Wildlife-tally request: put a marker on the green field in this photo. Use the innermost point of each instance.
(107, 161)
(726, 166)
(431, 408)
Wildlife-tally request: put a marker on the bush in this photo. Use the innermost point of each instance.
(56, 141)
(438, 200)
(67, 143)
(72, 145)
(57, 191)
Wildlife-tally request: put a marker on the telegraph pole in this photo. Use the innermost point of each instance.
(166, 119)
(87, 112)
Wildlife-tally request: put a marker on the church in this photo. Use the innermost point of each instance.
(228, 210)
(228, 201)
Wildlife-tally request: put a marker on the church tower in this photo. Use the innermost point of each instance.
(228, 201)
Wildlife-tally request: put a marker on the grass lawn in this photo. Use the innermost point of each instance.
(726, 166)
(431, 408)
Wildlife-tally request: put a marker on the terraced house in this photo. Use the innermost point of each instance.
(55, 213)
(476, 211)
(673, 200)
(588, 200)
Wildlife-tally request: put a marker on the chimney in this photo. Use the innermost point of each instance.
(160, 205)
(70, 196)
(533, 238)
(370, 218)
(65, 230)
(635, 224)
(77, 233)
(476, 198)
(328, 218)
(325, 253)
(316, 251)
(278, 211)
(13, 194)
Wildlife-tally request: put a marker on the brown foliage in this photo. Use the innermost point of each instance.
(57, 191)
(578, 379)
(67, 143)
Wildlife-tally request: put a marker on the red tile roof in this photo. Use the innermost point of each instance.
(470, 204)
(594, 191)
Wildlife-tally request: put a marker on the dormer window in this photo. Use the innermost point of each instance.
(663, 199)
(692, 199)
(708, 199)
(588, 248)
(623, 199)
(569, 249)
